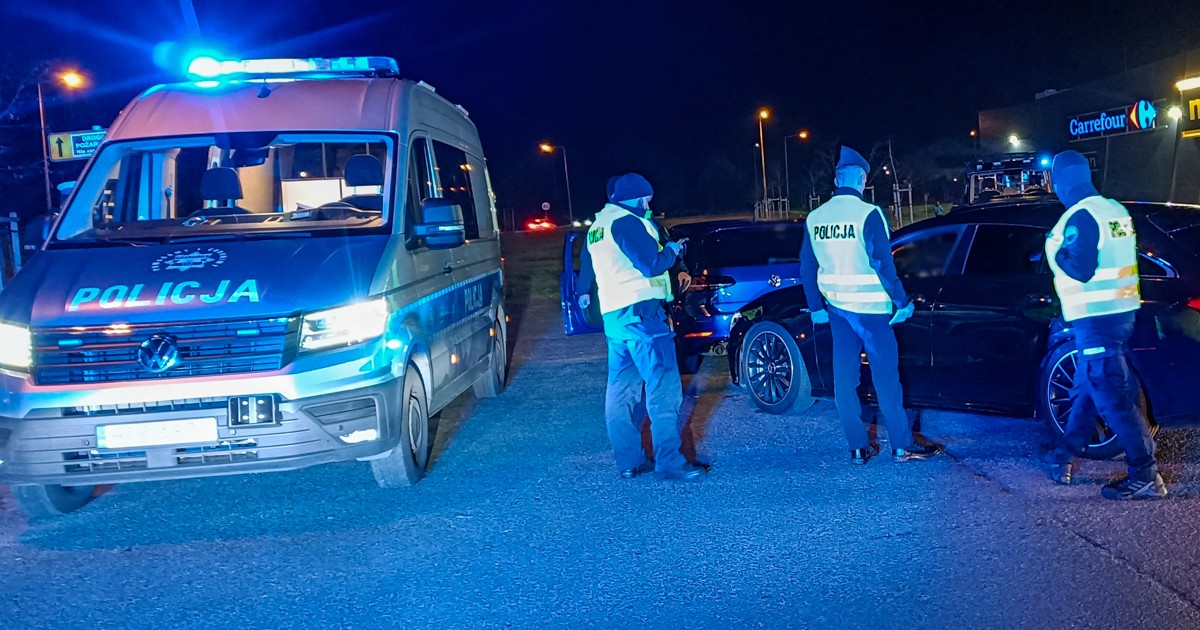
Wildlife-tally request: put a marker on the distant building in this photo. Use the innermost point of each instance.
(1122, 123)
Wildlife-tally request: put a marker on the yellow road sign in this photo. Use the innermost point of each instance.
(74, 145)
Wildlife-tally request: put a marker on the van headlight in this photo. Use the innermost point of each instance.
(344, 325)
(16, 346)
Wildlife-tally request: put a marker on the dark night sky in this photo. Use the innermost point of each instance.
(665, 87)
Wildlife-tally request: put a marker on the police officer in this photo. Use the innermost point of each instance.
(633, 284)
(1093, 253)
(850, 283)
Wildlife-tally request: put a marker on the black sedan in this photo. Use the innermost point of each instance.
(987, 335)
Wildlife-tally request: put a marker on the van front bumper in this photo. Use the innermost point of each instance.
(338, 411)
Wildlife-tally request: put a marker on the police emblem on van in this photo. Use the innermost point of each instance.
(158, 354)
(188, 259)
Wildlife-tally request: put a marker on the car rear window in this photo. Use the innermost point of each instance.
(746, 247)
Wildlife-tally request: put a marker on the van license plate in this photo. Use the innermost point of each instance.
(163, 433)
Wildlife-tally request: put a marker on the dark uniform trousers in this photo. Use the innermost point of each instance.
(1105, 386)
(854, 333)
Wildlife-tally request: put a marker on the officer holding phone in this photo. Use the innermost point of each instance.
(632, 274)
(850, 283)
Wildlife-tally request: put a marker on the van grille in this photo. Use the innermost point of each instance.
(100, 354)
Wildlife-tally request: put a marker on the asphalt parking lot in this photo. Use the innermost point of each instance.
(523, 522)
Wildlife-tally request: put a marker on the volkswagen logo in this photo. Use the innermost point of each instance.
(158, 354)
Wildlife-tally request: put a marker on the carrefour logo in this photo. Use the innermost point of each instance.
(1140, 116)
(1143, 114)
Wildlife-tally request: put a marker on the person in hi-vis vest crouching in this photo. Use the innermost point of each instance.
(632, 273)
(850, 283)
(1093, 254)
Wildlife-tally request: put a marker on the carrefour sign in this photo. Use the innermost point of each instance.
(1140, 116)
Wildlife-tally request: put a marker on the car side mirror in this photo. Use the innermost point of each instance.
(442, 225)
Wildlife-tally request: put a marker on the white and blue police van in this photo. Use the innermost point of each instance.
(283, 263)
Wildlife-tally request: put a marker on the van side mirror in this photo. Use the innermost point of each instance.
(442, 225)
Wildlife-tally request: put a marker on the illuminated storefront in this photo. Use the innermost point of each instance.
(1139, 130)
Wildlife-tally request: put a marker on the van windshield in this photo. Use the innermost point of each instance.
(232, 186)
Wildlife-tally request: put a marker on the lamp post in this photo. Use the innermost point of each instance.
(1175, 114)
(763, 114)
(71, 80)
(975, 142)
(800, 136)
(548, 148)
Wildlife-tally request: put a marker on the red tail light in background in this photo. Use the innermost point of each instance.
(1194, 304)
(706, 282)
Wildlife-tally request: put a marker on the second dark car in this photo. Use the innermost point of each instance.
(987, 335)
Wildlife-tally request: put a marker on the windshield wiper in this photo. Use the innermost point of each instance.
(237, 237)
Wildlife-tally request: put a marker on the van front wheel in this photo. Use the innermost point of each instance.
(44, 501)
(406, 464)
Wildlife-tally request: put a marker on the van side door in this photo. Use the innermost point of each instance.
(475, 264)
(429, 271)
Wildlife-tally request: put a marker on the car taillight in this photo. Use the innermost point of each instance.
(706, 282)
(1194, 304)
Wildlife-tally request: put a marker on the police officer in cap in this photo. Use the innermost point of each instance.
(1093, 253)
(850, 283)
(633, 285)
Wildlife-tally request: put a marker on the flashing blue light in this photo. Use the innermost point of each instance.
(207, 67)
(1045, 161)
(204, 68)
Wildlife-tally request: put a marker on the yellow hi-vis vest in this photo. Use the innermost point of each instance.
(618, 282)
(1114, 288)
(844, 273)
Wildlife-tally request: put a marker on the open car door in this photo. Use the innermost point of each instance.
(577, 321)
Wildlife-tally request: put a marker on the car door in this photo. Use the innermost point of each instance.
(576, 320)
(922, 259)
(991, 318)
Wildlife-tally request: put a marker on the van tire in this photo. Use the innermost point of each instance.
(491, 384)
(405, 465)
(50, 501)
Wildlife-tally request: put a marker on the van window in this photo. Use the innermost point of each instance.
(481, 181)
(1006, 250)
(454, 183)
(231, 184)
(420, 188)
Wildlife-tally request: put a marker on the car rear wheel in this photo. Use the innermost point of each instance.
(1054, 403)
(44, 501)
(774, 371)
(405, 465)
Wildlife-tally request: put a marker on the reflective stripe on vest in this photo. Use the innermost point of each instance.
(845, 275)
(618, 283)
(1114, 287)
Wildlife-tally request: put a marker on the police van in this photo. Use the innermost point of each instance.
(283, 263)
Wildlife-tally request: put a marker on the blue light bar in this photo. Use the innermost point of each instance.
(212, 68)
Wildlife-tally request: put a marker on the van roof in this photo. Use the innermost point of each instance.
(339, 104)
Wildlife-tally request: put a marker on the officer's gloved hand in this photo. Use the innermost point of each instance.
(585, 301)
(678, 247)
(820, 317)
(903, 314)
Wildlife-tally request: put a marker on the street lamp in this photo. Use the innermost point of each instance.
(763, 114)
(801, 136)
(72, 80)
(1014, 140)
(549, 149)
